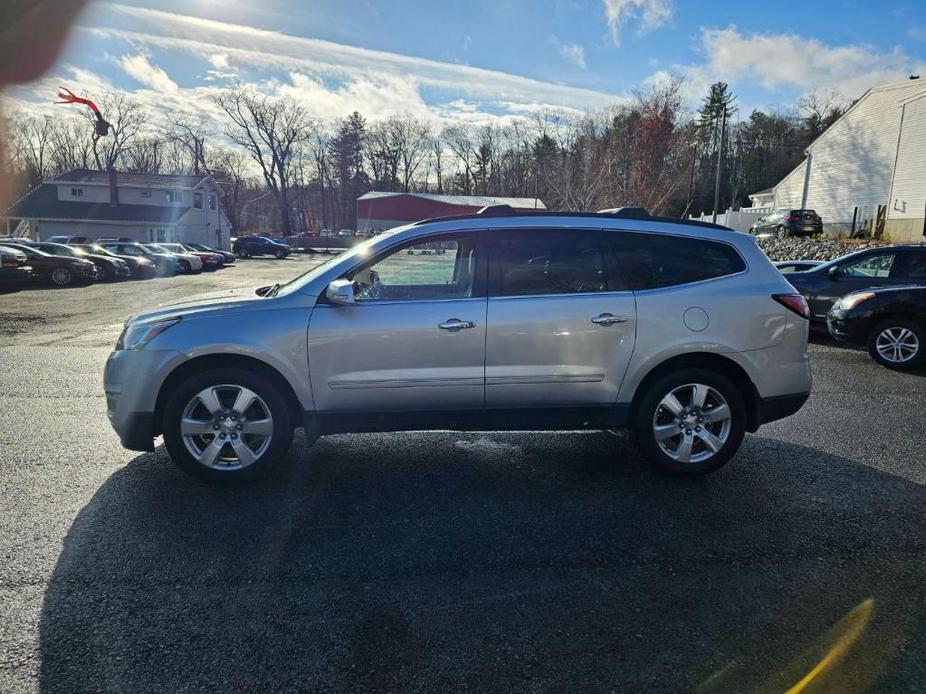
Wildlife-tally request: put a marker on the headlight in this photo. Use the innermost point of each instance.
(849, 302)
(136, 336)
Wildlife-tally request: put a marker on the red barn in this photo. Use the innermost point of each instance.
(381, 211)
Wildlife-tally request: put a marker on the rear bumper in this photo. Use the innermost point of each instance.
(780, 406)
(15, 276)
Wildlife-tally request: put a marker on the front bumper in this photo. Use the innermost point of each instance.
(854, 332)
(780, 406)
(132, 380)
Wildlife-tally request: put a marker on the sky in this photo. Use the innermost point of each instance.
(482, 60)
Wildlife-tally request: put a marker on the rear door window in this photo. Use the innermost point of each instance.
(542, 261)
(653, 261)
(910, 266)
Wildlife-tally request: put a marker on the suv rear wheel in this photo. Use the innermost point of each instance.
(897, 343)
(227, 426)
(691, 421)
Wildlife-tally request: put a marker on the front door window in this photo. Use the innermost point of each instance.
(433, 270)
(870, 267)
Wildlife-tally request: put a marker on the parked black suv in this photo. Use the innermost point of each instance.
(789, 223)
(887, 266)
(891, 322)
(246, 246)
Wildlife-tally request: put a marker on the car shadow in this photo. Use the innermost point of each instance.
(449, 561)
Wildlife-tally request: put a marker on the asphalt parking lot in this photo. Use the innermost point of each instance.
(446, 561)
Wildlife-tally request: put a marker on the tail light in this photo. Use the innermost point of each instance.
(792, 219)
(794, 302)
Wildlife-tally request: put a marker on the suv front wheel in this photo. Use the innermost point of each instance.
(691, 421)
(227, 425)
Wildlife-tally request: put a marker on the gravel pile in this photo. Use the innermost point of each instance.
(800, 248)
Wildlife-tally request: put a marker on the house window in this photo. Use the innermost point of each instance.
(198, 201)
(174, 196)
(162, 235)
(146, 193)
(212, 202)
(77, 192)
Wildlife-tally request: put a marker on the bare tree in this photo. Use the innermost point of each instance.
(72, 145)
(127, 119)
(270, 131)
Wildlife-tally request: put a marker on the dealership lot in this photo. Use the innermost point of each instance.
(447, 561)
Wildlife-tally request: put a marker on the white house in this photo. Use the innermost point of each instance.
(142, 207)
(873, 157)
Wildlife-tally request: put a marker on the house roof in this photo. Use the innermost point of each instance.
(43, 203)
(91, 176)
(767, 191)
(463, 200)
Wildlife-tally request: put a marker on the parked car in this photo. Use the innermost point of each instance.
(786, 267)
(139, 266)
(187, 263)
(789, 223)
(890, 322)
(886, 266)
(345, 233)
(246, 246)
(14, 268)
(107, 268)
(58, 270)
(227, 258)
(67, 239)
(209, 260)
(165, 263)
(685, 333)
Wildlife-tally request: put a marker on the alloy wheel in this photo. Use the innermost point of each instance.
(226, 427)
(897, 344)
(61, 276)
(692, 423)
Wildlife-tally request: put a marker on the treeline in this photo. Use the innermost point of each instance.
(281, 170)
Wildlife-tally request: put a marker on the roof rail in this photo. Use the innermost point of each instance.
(627, 212)
(497, 211)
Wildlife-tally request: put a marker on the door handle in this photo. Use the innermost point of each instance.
(456, 324)
(609, 319)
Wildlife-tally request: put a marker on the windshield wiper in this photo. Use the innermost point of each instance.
(270, 291)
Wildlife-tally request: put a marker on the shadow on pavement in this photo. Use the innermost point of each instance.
(501, 562)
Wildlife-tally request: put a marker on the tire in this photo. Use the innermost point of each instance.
(898, 343)
(184, 267)
(61, 277)
(279, 255)
(106, 275)
(781, 231)
(243, 253)
(705, 454)
(229, 467)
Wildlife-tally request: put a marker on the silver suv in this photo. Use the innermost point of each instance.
(684, 333)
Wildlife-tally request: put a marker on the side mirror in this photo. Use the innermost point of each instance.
(834, 272)
(341, 293)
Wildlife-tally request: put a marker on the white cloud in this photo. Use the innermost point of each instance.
(649, 14)
(251, 49)
(140, 68)
(219, 61)
(574, 53)
(791, 60)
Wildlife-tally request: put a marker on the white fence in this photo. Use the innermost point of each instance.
(740, 220)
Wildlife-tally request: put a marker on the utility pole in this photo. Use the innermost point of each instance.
(723, 132)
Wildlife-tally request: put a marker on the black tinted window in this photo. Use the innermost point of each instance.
(548, 262)
(650, 261)
(914, 267)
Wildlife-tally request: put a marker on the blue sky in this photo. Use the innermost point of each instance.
(481, 60)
